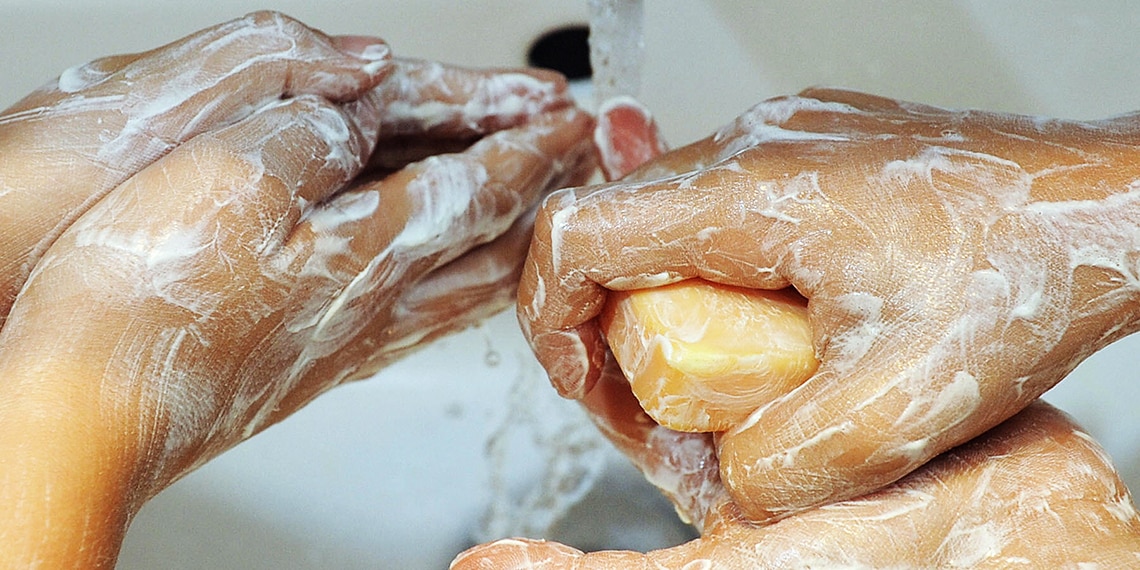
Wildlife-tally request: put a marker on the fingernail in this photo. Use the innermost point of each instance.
(373, 50)
(625, 136)
(378, 56)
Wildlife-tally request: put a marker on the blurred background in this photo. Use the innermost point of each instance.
(464, 442)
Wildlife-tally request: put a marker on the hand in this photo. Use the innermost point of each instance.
(197, 297)
(69, 143)
(958, 264)
(1034, 492)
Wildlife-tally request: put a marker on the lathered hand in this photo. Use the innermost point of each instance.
(218, 261)
(1034, 492)
(69, 143)
(958, 264)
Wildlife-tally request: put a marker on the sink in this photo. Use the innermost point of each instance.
(386, 473)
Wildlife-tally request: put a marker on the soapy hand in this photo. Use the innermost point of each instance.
(69, 143)
(72, 141)
(1034, 492)
(200, 246)
(957, 265)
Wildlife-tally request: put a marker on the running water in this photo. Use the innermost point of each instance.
(616, 47)
(546, 455)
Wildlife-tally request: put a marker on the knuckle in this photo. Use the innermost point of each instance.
(276, 24)
(304, 104)
(270, 20)
(326, 124)
(226, 163)
(317, 114)
(553, 205)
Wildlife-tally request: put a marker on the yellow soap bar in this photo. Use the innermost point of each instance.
(701, 356)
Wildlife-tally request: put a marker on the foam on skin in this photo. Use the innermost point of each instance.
(416, 100)
(1035, 492)
(235, 276)
(959, 263)
(76, 138)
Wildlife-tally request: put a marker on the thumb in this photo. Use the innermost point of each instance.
(626, 137)
(527, 554)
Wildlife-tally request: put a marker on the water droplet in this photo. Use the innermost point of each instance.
(492, 358)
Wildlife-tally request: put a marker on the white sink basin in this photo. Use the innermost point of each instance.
(386, 473)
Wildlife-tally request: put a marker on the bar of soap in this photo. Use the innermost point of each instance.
(701, 356)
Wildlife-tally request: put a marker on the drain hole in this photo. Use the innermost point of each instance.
(565, 50)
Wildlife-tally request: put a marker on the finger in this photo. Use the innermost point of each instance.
(630, 146)
(185, 244)
(1036, 491)
(738, 551)
(873, 412)
(696, 211)
(1036, 481)
(804, 121)
(711, 224)
(300, 151)
(1078, 494)
(831, 441)
(822, 543)
(683, 466)
(441, 207)
(226, 198)
(626, 137)
(428, 98)
(733, 215)
(867, 103)
(211, 78)
(841, 116)
(528, 554)
(431, 108)
(432, 213)
(66, 146)
(458, 295)
(482, 282)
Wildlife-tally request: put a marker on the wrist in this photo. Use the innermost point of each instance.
(67, 475)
